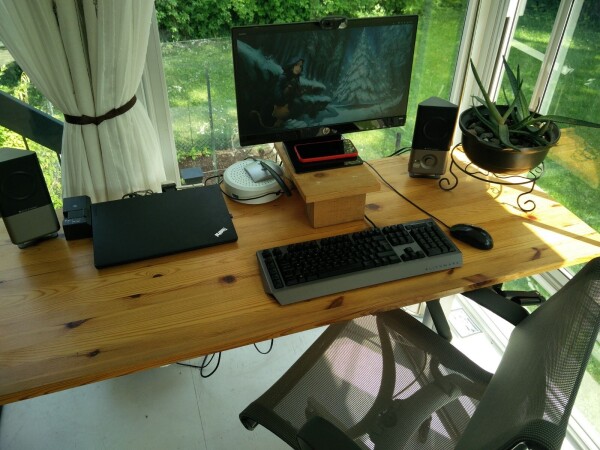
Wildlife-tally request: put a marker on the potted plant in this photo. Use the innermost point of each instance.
(509, 138)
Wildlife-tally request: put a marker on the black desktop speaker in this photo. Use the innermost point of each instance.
(25, 204)
(436, 119)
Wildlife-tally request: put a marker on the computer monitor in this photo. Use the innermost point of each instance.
(318, 80)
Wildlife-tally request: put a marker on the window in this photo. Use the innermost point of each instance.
(15, 82)
(199, 77)
(559, 40)
(558, 44)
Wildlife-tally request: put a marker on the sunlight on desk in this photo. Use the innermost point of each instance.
(572, 155)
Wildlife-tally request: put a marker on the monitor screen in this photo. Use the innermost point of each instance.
(302, 81)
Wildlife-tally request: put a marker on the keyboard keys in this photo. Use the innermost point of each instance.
(318, 267)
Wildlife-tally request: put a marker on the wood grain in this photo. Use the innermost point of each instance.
(64, 323)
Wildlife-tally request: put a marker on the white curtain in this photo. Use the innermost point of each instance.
(87, 57)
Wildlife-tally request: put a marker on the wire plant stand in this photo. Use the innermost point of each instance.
(528, 180)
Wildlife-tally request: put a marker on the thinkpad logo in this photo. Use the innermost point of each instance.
(220, 232)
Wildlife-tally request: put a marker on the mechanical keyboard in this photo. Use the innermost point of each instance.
(309, 269)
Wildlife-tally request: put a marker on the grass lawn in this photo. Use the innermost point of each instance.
(572, 179)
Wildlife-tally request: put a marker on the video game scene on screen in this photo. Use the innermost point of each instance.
(303, 79)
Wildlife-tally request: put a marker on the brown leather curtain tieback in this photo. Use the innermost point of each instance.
(87, 120)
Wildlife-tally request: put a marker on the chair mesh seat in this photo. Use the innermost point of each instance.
(389, 382)
(323, 383)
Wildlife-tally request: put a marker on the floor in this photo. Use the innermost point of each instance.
(173, 407)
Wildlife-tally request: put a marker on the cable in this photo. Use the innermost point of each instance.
(370, 221)
(400, 151)
(205, 364)
(284, 188)
(138, 193)
(220, 182)
(261, 352)
(403, 196)
(213, 177)
(249, 198)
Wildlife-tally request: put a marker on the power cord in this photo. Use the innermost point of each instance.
(370, 221)
(208, 359)
(138, 193)
(404, 197)
(219, 179)
(284, 188)
(265, 352)
(220, 182)
(400, 151)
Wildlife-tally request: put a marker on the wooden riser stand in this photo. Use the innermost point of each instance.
(332, 196)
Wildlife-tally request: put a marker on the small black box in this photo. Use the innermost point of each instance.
(192, 175)
(77, 222)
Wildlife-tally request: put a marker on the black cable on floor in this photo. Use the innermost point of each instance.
(261, 352)
(206, 360)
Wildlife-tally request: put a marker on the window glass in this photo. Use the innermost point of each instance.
(572, 173)
(572, 169)
(199, 76)
(15, 82)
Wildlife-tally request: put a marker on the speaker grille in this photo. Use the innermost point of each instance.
(19, 185)
(25, 204)
(434, 125)
(22, 184)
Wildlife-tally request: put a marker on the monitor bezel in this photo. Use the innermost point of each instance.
(332, 129)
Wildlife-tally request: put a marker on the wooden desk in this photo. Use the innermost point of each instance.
(64, 324)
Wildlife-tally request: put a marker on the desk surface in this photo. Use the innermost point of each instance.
(64, 323)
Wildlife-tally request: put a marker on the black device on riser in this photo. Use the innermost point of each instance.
(310, 269)
(25, 204)
(434, 126)
(77, 222)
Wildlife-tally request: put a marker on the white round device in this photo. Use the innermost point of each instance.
(238, 185)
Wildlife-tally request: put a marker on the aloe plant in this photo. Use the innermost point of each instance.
(518, 122)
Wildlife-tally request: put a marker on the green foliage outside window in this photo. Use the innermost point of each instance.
(185, 20)
(16, 83)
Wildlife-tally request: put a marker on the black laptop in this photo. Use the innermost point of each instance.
(160, 224)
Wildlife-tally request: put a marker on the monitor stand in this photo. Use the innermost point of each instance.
(334, 194)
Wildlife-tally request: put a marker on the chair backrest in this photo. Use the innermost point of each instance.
(531, 395)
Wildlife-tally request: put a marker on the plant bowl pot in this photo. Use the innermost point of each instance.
(497, 159)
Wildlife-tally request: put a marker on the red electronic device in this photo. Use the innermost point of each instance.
(334, 150)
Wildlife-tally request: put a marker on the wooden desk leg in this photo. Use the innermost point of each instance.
(338, 210)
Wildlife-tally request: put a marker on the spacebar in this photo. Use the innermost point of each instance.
(340, 270)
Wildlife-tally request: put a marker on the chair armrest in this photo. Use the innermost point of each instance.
(320, 434)
(523, 298)
(498, 304)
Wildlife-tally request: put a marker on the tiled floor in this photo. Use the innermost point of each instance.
(175, 408)
(171, 407)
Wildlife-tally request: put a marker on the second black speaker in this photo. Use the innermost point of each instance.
(434, 127)
(25, 204)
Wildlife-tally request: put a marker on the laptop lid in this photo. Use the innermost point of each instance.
(160, 224)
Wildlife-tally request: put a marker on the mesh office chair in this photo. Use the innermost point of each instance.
(389, 382)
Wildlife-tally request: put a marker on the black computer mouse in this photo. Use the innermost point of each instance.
(473, 235)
